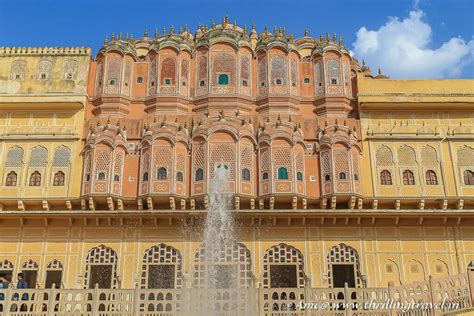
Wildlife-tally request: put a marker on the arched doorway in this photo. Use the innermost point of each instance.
(231, 267)
(283, 267)
(343, 267)
(54, 274)
(30, 272)
(161, 268)
(6, 269)
(101, 268)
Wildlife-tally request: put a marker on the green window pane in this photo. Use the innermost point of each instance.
(223, 79)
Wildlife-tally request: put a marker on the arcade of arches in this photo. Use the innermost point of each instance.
(162, 268)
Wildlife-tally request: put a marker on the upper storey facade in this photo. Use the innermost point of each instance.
(418, 137)
(297, 122)
(43, 94)
(223, 67)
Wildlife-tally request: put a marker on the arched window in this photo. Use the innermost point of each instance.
(58, 180)
(431, 178)
(223, 79)
(161, 174)
(356, 177)
(38, 157)
(101, 176)
(469, 177)
(35, 179)
(70, 69)
(278, 81)
(265, 175)
(62, 156)
(327, 178)
(11, 179)
(179, 176)
(342, 176)
(244, 83)
(385, 177)
(408, 178)
(14, 157)
(333, 70)
(282, 173)
(145, 176)
(246, 174)
(116, 177)
(299, 176)
(18, 70)
(199, 175)
(306, 80)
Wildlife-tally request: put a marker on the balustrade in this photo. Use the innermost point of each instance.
(452, 294)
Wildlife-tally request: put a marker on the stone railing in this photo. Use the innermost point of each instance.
(14, 51)
(453, 294)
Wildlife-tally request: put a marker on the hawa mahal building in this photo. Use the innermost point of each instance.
(338, 175)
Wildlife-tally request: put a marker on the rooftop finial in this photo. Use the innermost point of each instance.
(266, 29)
(379, 71)
(284, 30)
(120, 36)
(106, 40)
(275, 32)
(127, 38)
(334, 38)
(245, 30)
(340, 40)
(253, 26)
(113, 37)
(172, 30)
(145, 33)
(328, 38)
(306, 32)
(156, 33)
(213, 25)
(186, 28)
(180, 29)
(235, 24)
(291, 37)
(321, 38)
(363, 62)
(164, 31)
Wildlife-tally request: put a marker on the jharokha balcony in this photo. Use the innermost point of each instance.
(446, 296)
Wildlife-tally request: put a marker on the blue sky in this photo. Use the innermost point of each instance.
(406, 38)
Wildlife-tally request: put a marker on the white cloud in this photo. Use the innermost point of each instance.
(401, 49)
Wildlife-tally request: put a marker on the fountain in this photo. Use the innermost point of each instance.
(219, 232)
(220, 292)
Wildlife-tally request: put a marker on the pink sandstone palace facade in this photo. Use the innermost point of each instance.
(166, 111)
(341, 180)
